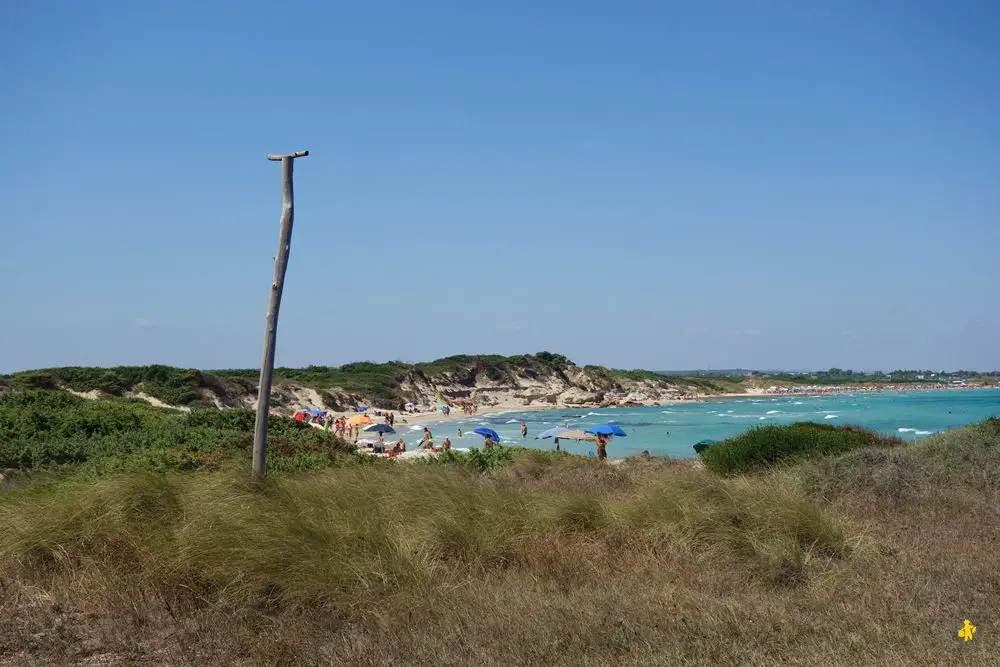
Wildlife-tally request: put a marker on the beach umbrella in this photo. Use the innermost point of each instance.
(576, 435)
(361, 408)
(362, 420)
(606, 429)
(380, 428)
(488, 433)
(552, 432)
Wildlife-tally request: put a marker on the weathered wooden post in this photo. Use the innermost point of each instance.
(273, 303)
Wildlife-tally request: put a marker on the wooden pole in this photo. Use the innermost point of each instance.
(273, 304)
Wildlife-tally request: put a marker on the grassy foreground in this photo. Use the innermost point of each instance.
(872, 557)
(132, 534)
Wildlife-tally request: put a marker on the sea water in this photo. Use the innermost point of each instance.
(671, 430)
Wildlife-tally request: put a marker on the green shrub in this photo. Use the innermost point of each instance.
(769, 445)
(56, 430)
(478, 460)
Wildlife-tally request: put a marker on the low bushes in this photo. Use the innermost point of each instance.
(44, 430)
(768, 445)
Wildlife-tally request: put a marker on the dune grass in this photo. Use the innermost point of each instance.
(861, 554)
(546, 560)
(338, 547)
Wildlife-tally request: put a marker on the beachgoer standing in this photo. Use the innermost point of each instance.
(460, 433)
(446, 445)
(602, 444)
(524, 430)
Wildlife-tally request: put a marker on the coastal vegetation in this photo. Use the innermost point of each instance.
(765, 446)
(55, 431)
(134, 534)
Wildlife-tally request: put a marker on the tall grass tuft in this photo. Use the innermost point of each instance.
(344, 537)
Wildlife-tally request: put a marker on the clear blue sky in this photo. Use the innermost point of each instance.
(638, 184)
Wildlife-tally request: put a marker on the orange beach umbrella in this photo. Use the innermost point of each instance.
(363, 420)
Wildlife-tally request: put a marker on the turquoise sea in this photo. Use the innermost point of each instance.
(672, 430)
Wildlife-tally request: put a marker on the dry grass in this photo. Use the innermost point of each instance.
(873, 558)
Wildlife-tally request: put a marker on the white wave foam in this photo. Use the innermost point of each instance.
(831, 416)
(772, 412)
(512, 421)
(907, 430)
(797, 403)
(923, 432)
(761, 418)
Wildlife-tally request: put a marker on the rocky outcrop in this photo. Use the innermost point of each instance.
(526, 380)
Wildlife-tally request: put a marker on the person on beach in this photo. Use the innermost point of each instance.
(460, 433)
(446, 445)
(602, 447)
(524, 430)
(399, 447)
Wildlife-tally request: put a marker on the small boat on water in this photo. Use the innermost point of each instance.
(701, 446)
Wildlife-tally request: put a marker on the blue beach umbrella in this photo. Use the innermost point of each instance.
(488, 433)
(361, 408)
(606, 429)
(380, 428)
(552, 432)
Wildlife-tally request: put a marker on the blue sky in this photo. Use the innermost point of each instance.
(637, 184)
